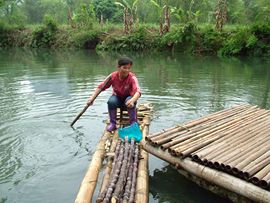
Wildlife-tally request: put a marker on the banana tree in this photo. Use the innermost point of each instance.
(70, 9)
(164, 15)
(221, 14)
(130, 11)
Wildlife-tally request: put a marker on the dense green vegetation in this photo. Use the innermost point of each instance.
(226, 27)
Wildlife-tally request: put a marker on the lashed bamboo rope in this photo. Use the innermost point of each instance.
(89, 182)
(221, 179)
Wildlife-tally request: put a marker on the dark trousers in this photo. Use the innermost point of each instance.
(115, 102)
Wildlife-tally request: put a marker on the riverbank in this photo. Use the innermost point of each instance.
(252, 40)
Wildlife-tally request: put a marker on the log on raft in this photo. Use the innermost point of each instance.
(88, 184)
(142, 187)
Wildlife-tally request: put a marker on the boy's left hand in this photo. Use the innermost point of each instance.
(130, 103)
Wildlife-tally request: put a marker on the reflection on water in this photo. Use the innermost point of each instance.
(42, 159)
(181, 189)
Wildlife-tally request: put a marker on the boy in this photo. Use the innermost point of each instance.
(126, 92)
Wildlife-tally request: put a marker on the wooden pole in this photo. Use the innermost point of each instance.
(90, 179)
(107, 80)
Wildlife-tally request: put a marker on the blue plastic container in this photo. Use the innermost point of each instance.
(132, 131)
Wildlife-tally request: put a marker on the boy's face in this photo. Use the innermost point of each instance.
(125, 69)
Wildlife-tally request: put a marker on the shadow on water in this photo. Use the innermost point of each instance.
(167, 185)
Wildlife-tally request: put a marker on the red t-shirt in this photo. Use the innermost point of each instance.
(122, 88)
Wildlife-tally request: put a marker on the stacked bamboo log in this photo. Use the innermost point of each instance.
(123, 175)
(235, 140)
(126, 174)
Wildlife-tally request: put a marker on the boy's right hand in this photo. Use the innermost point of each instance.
(90, 101)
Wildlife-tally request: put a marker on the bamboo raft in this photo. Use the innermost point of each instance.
(125, 176)
(229, 148)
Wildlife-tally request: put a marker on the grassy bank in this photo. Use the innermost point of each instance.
(189, 38)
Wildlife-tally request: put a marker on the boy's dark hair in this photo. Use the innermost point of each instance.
(124, 61)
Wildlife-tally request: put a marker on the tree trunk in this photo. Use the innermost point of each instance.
(167, 19)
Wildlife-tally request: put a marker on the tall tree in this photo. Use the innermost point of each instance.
(105, 8)
(129, 12)
(221, 14)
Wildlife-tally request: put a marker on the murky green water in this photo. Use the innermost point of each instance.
(43, 160)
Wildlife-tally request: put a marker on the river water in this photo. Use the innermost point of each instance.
(43, 160)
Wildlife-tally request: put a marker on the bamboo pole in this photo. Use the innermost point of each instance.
(195, 145)
(243, 156)
(235, 149)
(134, 174)
(218, 178)
(200, 127)
(193, 129)
(231, 139)
(260, 175)
(204, 138)
(142, 187)
(211, 132)
(265, 181)
(90, 179)
(196, 122)
(258, 164)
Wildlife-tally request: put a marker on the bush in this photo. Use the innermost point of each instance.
(44, 36)
(211, 40)
(85, 39)
(136, 41)
(250, 41)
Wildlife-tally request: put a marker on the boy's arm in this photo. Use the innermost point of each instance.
(102, 86)
(93, 96)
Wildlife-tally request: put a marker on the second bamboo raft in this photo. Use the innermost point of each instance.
(235, 141)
